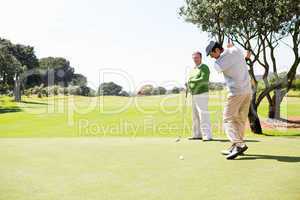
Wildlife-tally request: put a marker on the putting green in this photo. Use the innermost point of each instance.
(147, 168)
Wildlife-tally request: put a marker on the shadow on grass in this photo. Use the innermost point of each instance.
(291, 159)
(286, 135)
(291, 121)
(33, 102)
(225, 140)
(9, 109)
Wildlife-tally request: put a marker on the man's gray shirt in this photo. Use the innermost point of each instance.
(234, 67)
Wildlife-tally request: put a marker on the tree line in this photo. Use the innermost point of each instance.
(22, 72)
(113, 89)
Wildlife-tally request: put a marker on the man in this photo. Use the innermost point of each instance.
(231, 62)
(198, 87)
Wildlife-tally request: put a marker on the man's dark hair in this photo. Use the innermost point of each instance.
(217, 46)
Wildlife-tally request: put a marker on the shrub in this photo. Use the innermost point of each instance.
(124, 94)
(57, 90)
(40, 95)
(4, 88)
(27, 92)
(44, 92)
(296, 84)
(175, 90)
(146, 90)
(159, 91)
(109, 89)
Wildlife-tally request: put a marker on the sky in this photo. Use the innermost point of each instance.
(130, 42)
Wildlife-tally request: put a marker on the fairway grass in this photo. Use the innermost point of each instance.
(154, 116)
(61, 148)
(147, 168)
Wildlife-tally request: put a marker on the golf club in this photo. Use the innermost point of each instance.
(183, 113)
(229, 40)
(184, 107)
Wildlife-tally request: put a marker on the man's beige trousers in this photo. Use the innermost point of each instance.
(201, 116)
(235, 116)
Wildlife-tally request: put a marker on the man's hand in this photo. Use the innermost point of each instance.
(229, 45)
(248, 55)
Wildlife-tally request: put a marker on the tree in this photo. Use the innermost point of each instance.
(272, 22)
(289, 28)
(175, 90)
(8, 64)
(85, 90)
(109, 89)
(56, 70)
(16, 60)
(124, 94)
(256, 25)
(215, 86)
(11, 68)
(159, 91)
(211, 17)
(79, 79)
(207, 15)
(28, 61)
(20, 68)
(146, 90)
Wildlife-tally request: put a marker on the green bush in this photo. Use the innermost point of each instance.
(215, 86)
(159, 91)
(74, 90)
(124, 94)
(44, 92)
(146, 90)
(58, 90)
(27, 92)
(4, 88)
(40, 95)
(175, 90)
(109, 89)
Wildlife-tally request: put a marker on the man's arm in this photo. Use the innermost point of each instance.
(218, 68)
(204, 76)
(248, 53)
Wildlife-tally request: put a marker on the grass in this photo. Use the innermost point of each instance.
(54, 148)
(115, 116)
(146, 168)
(294, 93)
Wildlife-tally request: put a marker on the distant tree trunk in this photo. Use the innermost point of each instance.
(274, 106)
(279, 93)
(17, 88)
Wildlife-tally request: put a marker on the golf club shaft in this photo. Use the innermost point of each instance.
(184, 108)
(229, 40)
